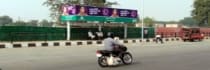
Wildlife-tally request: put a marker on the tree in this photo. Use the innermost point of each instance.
(201, 12)
(55, 6)
(45, 23)
(100, 3)
(188, 21)
(149, 21)
(171, 22)
(4, 20)
(32, 23)
(18, 23)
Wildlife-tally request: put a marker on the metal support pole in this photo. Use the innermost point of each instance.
(207, 19)
(99, 27)
(142, 23)
(68, 30)
(142, 30)
(125, 30)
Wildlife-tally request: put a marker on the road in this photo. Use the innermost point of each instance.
(147, 56)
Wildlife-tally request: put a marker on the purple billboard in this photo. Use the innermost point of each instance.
(98, 11)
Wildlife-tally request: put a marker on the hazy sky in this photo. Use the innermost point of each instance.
(163, 10)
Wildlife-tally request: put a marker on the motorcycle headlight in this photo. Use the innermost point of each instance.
(98, 55)
(202, 34)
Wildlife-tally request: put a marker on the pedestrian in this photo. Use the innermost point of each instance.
(91, 35)
(99, 35)
(159, 38)
(117, 39)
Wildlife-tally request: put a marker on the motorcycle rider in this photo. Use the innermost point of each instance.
(111, 45)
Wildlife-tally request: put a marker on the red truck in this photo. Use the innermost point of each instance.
(191, 34)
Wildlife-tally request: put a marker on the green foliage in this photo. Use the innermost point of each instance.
(201, 12)
(45, 23)
(189, 21)
(32, 23)
(149, 21)
(19, 23)
(4, 20)
(7, 21)
(23, 23)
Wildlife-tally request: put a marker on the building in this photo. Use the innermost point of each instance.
(163, 24)
(173, 25)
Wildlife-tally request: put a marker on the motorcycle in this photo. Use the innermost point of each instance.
(108, 58)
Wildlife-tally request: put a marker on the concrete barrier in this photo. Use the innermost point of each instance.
(172, 39)
(207, 37)
(166, 39)
(2, 46)
(75, 43)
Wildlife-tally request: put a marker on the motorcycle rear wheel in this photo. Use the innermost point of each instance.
(102, 62)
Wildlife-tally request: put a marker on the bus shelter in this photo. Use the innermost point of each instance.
(100, 15)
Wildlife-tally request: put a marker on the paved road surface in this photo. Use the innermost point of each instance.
(170, 56)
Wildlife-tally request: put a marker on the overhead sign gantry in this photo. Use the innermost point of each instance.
(89, 13)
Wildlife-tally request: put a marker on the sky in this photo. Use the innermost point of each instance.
(160, 10)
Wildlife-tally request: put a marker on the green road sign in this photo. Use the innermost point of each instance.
(98, 18)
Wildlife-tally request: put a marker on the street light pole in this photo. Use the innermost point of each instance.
(142, 23)
(68, 27)
(82, 2)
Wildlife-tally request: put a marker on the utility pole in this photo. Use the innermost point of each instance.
(82, 2)
(142, 23)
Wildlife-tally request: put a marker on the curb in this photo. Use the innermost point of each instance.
(76, 43)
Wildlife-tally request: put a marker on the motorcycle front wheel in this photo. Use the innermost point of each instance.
(127, 58)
